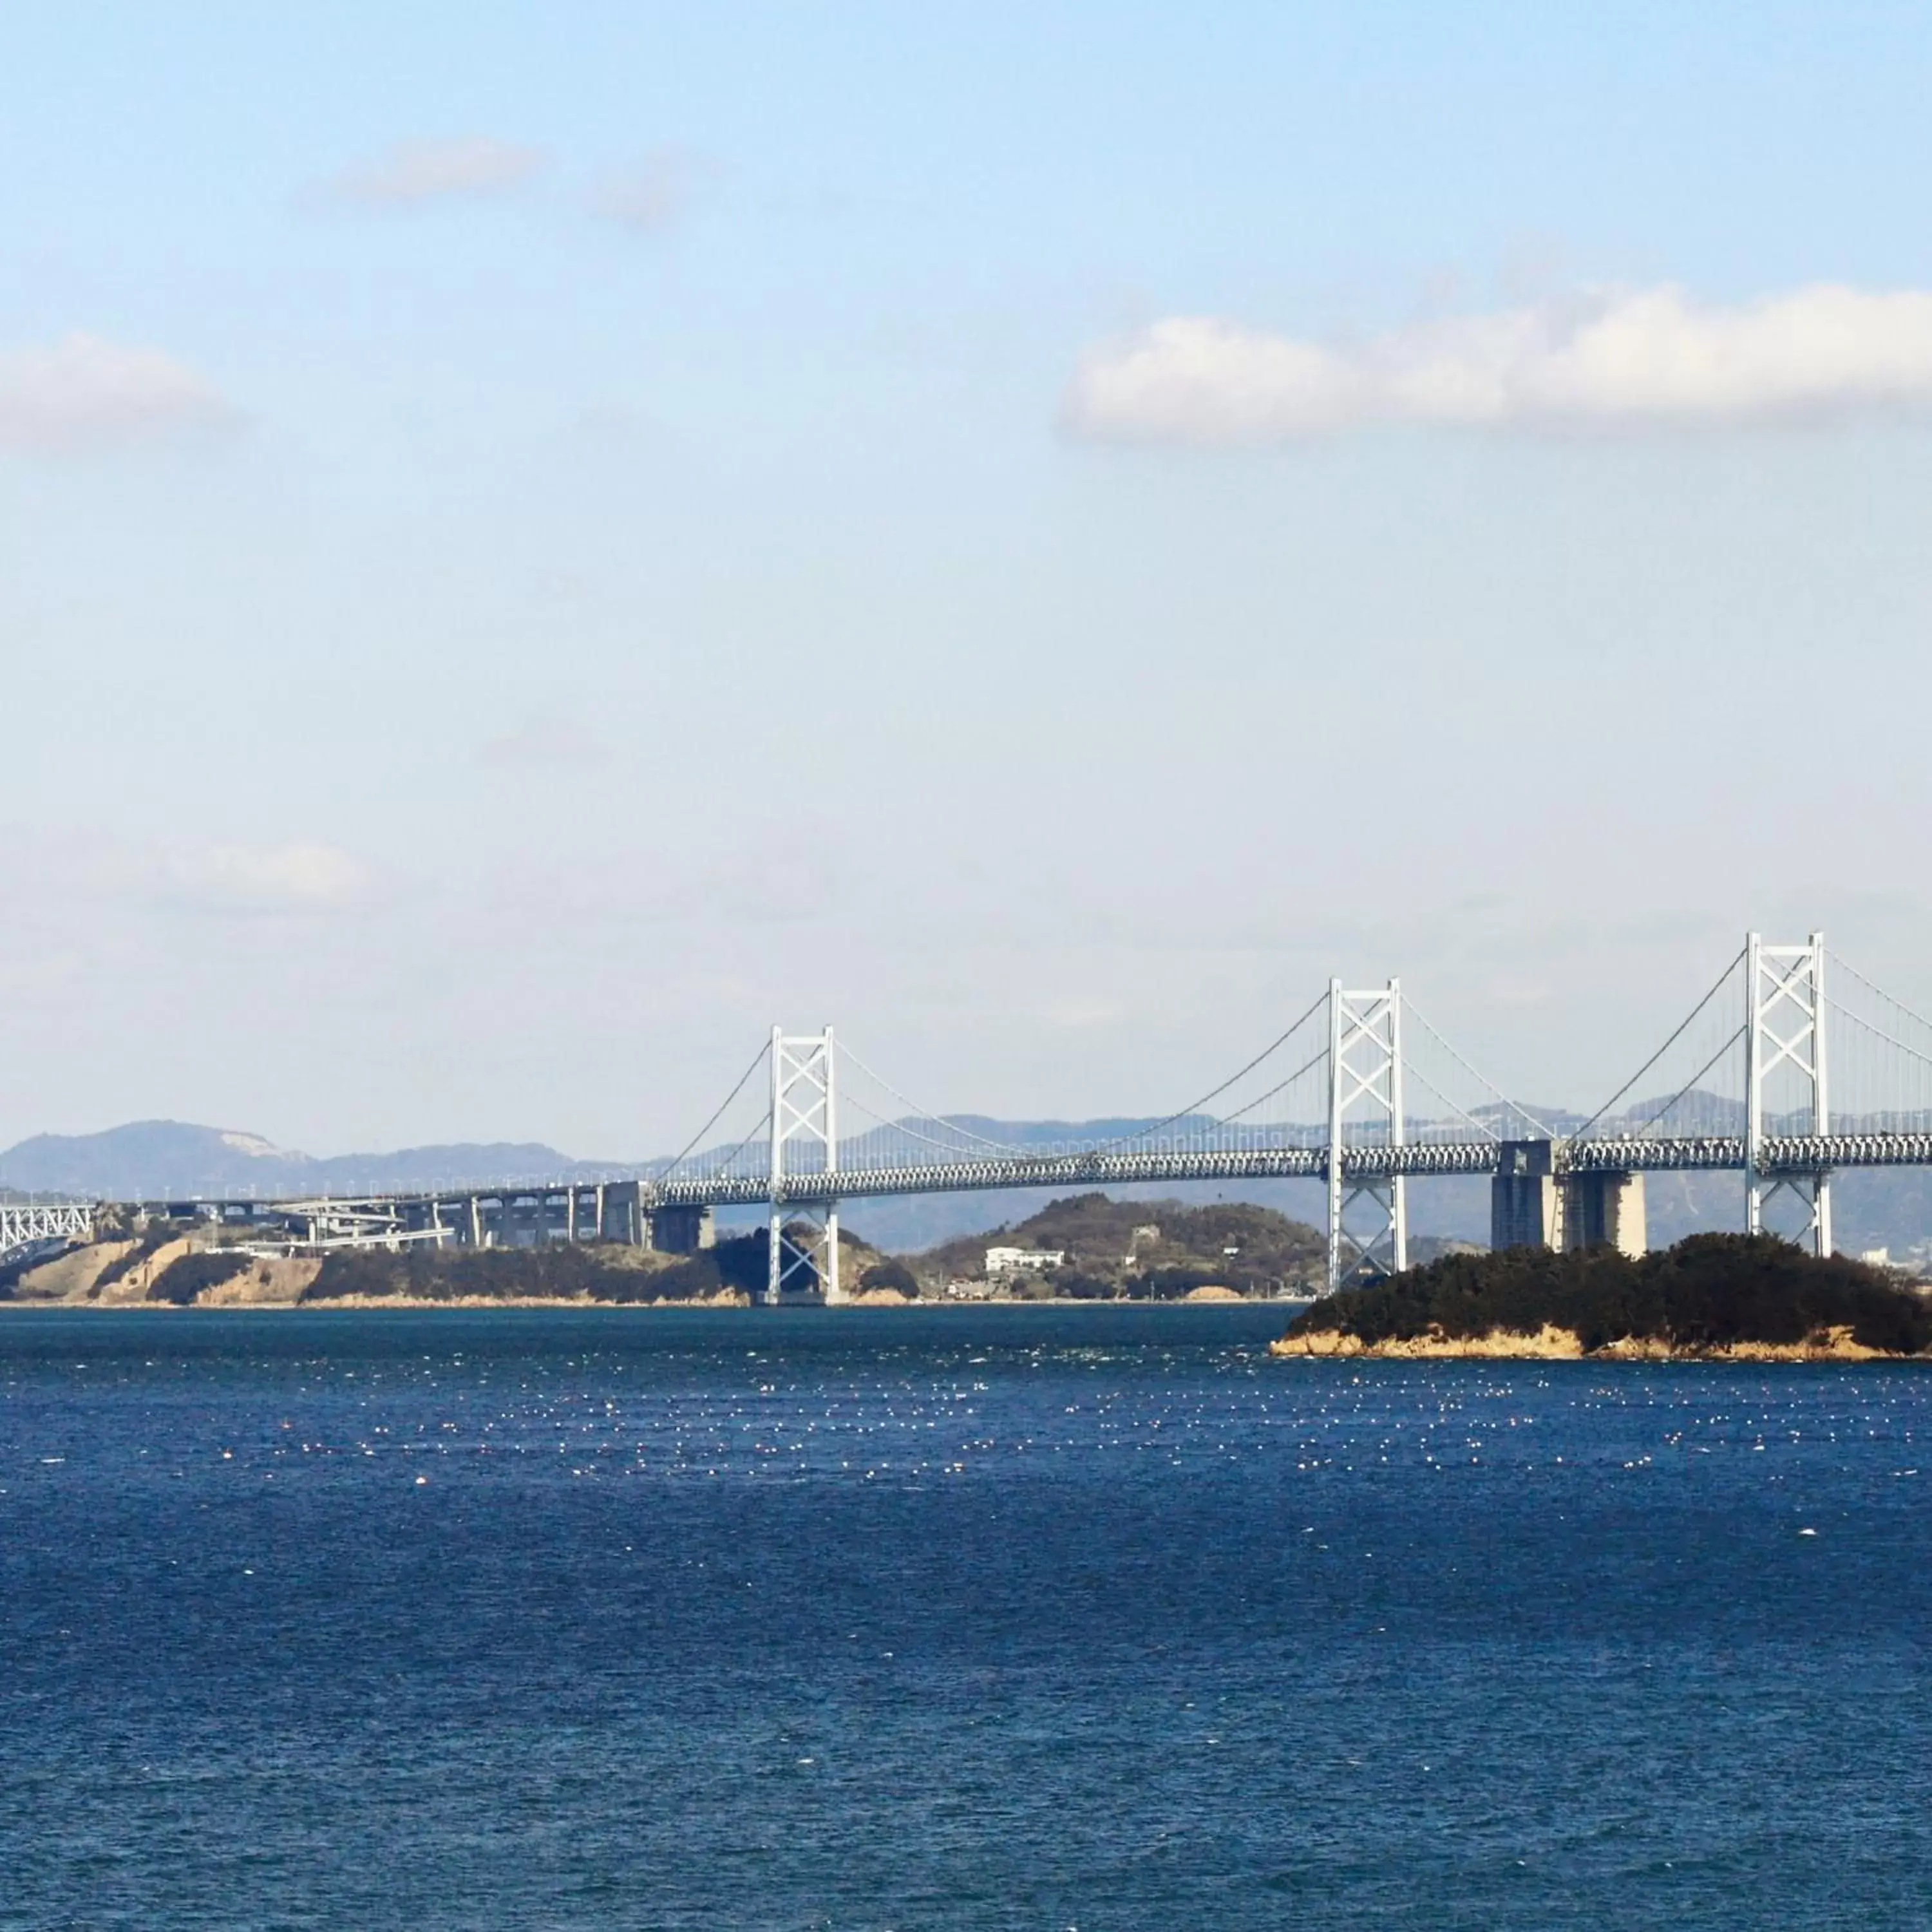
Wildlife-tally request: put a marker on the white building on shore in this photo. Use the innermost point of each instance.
(1003, 1263)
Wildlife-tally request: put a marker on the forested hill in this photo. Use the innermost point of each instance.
(1709, 1293)
(1142, 1247)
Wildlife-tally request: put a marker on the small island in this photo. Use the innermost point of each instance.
(1736, 1298)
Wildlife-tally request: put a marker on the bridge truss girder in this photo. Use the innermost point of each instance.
(30, 1225)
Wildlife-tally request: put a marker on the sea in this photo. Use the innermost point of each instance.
(1064, 1619)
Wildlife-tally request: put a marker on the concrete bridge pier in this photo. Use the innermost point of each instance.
(618, 1213)
(425, 1217)
(1605, 1210)
(682, 1230)
(1532, 1205)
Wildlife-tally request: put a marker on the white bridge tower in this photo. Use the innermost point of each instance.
(1365, 1074)
(1784, 1035)
(805, 1116)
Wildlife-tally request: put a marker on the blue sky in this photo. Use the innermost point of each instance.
(536, 541)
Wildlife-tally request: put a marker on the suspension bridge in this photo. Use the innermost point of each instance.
(1361, 1093)
(1372, 1096)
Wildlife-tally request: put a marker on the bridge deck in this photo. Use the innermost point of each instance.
(1805, 1154)
(1809, 1154)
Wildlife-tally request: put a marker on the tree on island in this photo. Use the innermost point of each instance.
(1709, 1291)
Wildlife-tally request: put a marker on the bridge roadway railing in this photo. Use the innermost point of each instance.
(1650, 1156)
(1813, 1153)
(1787, 1154)
(1076, 1170)
(1778, 1153)
(1790, 1153)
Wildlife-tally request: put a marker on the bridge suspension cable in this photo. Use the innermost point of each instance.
(918, 1112)
(1878, 1080)
(907, 1131)
(678, 1159)
(1880, 1077)
(1688, 1022)
(1215, 1093)
(1280, 1087)
(1842, 964)
(1420, 1078)
(759, 1137)
(1508, 1105)
(913, 1137)
(1878, 1033)
(1689, 1086)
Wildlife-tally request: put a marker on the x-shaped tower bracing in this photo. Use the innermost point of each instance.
(802, 1254)
(1784, 1030)
(1365, 1085)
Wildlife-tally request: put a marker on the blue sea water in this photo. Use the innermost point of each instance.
(1039, 1618)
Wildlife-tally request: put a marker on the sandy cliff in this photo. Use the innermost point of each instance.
(1553, 1344)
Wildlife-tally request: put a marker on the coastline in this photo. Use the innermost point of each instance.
(210, 1305)
(214, 1303)
(1550, 1343)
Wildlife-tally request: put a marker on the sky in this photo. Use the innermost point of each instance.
(537, 540)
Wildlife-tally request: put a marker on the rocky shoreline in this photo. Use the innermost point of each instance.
(1711, 1297)
(1550, 1343)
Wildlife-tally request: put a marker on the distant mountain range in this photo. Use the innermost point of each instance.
(170, 1159)
(151, 1159)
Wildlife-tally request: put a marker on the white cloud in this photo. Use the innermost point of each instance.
(418, 171)
(1650, 356)
(299, 877)
(659, 189)
(85, 393)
